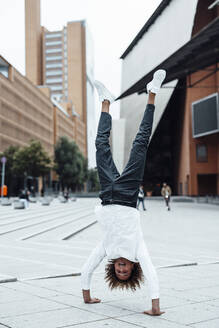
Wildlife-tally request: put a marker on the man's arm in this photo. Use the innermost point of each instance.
(150, 274)
(88, 268)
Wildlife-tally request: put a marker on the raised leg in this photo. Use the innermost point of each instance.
(106, 168)
(134, 170)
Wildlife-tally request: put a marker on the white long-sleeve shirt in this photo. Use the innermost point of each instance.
(122, 238)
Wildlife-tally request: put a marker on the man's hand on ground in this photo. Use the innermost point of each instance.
(154, 312)
(88, 299)
(93, 300)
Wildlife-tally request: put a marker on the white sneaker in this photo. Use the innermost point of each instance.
(103, 93)
(155, 84)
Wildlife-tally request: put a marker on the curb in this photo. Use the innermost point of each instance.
(5, 280)
(53, 277)
(177, 265)
(77, 231)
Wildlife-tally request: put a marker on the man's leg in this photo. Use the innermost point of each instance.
(106, 168)
(143, 204)
(165, 199)
(127, 185)
(134, 169)
(168, 203)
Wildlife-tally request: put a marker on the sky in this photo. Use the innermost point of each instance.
(113, 25)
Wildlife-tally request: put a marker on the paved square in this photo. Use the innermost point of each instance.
(42, 250)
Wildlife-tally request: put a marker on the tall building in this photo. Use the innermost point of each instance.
(25, 112)
(181, 37)
(63, 61)
(33, 41)
(28, 112)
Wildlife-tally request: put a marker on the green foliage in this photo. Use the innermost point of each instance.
(70, 164)
(93, 180)
(9, 153)
(32, 160)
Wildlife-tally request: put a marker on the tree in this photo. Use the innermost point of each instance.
(93, 180)
(32, 160)
(70, 164)
(9, 153)
(82, 171)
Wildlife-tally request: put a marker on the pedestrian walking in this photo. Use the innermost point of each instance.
(24, 198)
(141, 198)
(66, 195)
(123, 244)
(42, 192)
(166, 193)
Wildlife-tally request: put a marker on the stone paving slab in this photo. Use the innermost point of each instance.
(191, 313)
(142, 320)
(207, 324)
(24, 307)
(10, 295)
(21, 288)
(191, 272)
(214, 303)
(210, 291)
(100, 308)
(189, 294)
(28, 269)
(71, 286)
(208, 284)
(52, 319)
(33, 254)
(107, 323)
(139, 304)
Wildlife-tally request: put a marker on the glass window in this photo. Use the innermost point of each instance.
(4, 70)
(201, 153)
(55, 80)
(50, 51)
(56, 72)
(55, 65)
(53, 58)
(56, 87)
(53, 35)
(53, 43)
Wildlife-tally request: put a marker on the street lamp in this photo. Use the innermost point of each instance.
(3, 160)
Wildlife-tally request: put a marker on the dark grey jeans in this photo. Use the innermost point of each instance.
(115, 188)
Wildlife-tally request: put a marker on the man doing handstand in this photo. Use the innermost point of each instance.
(123, 244)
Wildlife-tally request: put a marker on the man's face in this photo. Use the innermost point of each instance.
(123, 268)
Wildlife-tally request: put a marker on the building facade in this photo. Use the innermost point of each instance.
(29, 112)
(63, 61)
(25, 112)
(190, 164)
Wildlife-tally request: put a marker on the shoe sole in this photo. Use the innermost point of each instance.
(104, 90)
(159, 76)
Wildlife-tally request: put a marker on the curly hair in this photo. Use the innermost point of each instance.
(133, 282)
